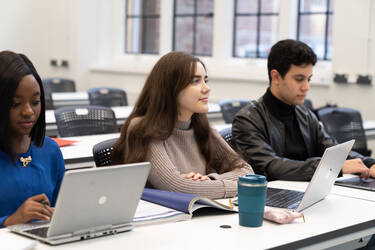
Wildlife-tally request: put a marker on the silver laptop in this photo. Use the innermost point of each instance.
(92, 203)
(356, 182)
(320, 185)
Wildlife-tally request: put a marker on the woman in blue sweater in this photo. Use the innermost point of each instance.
(31, 165)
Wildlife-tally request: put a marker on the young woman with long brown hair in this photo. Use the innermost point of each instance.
(169, 128)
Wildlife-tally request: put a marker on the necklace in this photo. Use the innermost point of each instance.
(25, 160)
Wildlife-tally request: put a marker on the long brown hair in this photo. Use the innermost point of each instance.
(158, 109)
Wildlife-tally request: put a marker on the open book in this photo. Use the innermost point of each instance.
(161, 206)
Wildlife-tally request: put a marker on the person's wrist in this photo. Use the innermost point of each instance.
(344, 170)
(7, 222)
(372, 171)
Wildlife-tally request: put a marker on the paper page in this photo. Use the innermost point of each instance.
(149, 213)
(223, 204)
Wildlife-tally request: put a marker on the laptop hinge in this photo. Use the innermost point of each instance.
(92, 229)
(121, 225)
(62, 236)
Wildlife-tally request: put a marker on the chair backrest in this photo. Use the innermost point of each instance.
(108, 97)
(55, 84)
(85, 120)
(229, 108)
(48, 101)
(226, 133)
(102, 152)
(345, 124)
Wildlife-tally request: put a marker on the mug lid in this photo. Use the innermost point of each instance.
(253, 179)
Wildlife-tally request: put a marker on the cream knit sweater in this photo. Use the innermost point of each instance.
(178, 155)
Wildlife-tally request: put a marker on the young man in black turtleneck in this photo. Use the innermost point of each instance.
(278, 136)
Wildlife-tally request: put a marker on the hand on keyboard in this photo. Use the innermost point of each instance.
(35, 207)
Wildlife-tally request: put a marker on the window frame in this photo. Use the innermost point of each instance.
(259, 14)
(143, 17)
(222, 66)
(194, 15)
(310, 13)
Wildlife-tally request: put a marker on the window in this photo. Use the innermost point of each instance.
(142, 26)
(315, 26)
(255, 27)
(193, 26)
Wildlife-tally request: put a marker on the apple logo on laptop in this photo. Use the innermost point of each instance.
(102, 200)
(328, 173)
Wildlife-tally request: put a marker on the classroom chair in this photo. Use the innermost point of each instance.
(229, 108)
(109, 97)
(345, 124)
(48, 101)
(102, 152)
(226, 133)
(85, 120)
(55, 84)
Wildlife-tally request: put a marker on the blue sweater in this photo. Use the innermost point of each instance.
(42, 175)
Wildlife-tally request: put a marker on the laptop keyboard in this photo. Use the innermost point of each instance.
(283, 198)
(41, 231)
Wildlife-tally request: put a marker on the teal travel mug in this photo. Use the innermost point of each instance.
(252, 191)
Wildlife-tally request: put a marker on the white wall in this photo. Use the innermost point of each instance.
(23, 28)
(89, 34)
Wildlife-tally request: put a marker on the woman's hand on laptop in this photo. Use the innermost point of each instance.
(35, 207)
(356, 166)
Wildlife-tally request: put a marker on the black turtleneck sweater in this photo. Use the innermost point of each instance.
(295, 147)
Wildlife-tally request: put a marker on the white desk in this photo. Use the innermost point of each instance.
(328, 223)
(70, 99)
(122, 113)
(82, 98)
(369, 127)
(79, 154)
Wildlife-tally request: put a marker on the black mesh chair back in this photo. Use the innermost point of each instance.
(229, 108)
(345, 124)
(86, 120)
(226, 133)
(102, 152)
(48, 101)
(53, 85)
(109, 97)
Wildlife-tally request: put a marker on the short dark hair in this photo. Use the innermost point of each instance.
(287, 52)
(13, 67)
